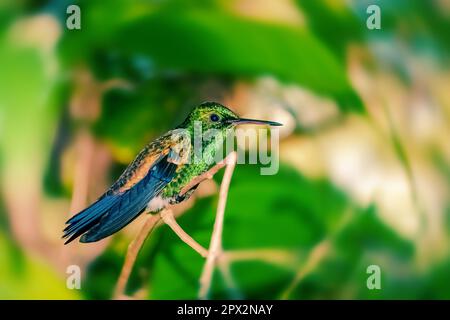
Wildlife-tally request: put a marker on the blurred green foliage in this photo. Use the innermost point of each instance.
(25, 277)
(168, 51)
(204, 40)
(268, 218)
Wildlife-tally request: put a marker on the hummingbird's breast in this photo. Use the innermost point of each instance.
(197, 165)
(183, 177)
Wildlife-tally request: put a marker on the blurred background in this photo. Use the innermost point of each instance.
(364, 152)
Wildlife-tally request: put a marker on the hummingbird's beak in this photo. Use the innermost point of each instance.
(253, 121)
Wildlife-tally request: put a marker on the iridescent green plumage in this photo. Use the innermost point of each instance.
(157, 176)
(209, 147)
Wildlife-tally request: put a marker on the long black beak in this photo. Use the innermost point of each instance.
(253, 121)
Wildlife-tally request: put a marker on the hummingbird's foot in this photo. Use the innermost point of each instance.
(184, 196)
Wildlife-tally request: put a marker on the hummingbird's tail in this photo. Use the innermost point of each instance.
(86, 219)
(112, 211)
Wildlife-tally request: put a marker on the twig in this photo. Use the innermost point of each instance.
(282, 257)
(224, 265)
(316, 256)
(169, 219)
(215, 248)
(132, 252)
(85, 148)
(136, 244)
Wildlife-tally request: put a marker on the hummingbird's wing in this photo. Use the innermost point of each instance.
(144, 179)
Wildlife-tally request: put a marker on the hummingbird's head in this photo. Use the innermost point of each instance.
(213, 115)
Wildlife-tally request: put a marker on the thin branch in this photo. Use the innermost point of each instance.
(169, 219)
(282, 257)
(136, 244)
(132, 252)
(85, 147)
(318, 253)
(224, 265)
(215, 248)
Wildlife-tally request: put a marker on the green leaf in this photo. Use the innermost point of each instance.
(130, 119)
(327, 19)
(216, 42)
(210, 41)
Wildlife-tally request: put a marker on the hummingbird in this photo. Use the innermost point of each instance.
(156, 177)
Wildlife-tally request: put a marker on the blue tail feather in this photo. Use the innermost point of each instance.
(114, 211)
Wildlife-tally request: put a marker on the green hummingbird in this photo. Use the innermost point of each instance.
(157, 176)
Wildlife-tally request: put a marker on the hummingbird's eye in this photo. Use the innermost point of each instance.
(214, 117)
